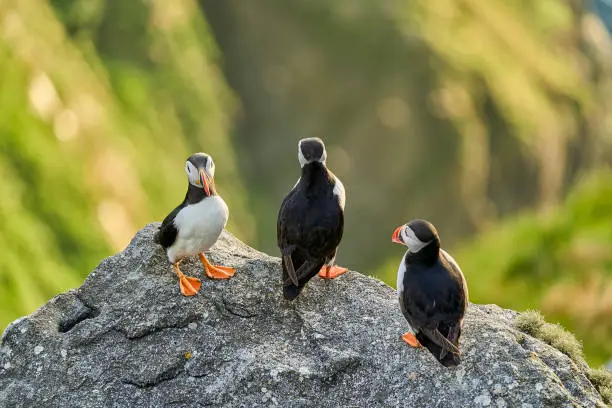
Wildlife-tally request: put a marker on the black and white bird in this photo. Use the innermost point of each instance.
(310, 221)
(195, 225)
(433, 293)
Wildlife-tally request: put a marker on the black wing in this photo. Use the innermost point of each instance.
(281, 233)
(431, 299)
(306, 242)
(167, 231)
(434, 303)
(458, 274)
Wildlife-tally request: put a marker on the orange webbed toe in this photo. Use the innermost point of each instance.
(189, 286)
(220, 272)
(331, 272)
(411, 340)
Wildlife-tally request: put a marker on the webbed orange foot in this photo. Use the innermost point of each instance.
(411, 340)
(189, 286)
(331, 272)
(217, 271)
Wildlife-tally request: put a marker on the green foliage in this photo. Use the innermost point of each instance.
(457, 111)
(559, 261)
(91, 146)
(533, 323)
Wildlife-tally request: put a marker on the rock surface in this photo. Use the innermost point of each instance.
(127, 338)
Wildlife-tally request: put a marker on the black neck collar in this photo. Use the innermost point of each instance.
(427, 255)
(196, 194)
(314, 171)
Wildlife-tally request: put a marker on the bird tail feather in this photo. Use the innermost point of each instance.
(441, 341)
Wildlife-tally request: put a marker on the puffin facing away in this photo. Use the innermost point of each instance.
(195, 225)
(310, 221)
(433, 294)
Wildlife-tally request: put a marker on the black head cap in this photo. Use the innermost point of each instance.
(201, 161)
(423, 230)
(311, 150)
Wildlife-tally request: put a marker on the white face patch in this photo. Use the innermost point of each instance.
(412, 242)
(192, 174)
(301, 157)
(210, 167)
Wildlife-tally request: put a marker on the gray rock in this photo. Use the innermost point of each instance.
(127, 338)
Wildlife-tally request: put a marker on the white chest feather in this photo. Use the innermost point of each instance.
(400, 275)
(339, 192)
(199, 226)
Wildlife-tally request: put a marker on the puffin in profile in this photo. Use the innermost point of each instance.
(310, 221)
(195, 225)
(433, 293)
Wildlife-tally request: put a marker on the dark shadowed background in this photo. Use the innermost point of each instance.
(491, 119)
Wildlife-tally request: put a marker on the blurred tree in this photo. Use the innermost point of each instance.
(604, 9)
(561, 260)
(459, 111)
(452, 110)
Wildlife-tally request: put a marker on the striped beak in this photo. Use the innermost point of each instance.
(205, 181)
(396, 237)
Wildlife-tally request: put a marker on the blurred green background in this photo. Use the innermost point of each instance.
(492, 119)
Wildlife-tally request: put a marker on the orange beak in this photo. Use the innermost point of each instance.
(396, 235)
(205, 182)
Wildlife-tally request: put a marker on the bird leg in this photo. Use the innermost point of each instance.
(189, 286)
(331, 271)
(411, 340)
(216, 271)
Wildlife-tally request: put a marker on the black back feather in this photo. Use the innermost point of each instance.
(434, 297)
(310, 225)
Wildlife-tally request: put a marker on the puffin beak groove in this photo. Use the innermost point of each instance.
(396, 237)
(204, 180)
